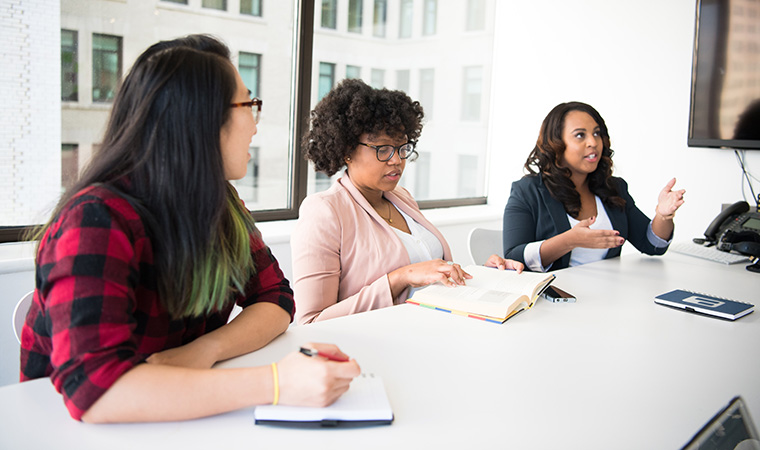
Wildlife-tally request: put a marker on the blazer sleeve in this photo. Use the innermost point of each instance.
(519, 228)
(317, 245)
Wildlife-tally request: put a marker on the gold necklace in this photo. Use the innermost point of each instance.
(389, 219)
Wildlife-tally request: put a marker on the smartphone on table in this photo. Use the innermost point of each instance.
(557, 295)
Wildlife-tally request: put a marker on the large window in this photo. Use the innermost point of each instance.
(471, 95)
(476, 15)
(95, 43)
(215, 4)
(402, 80)
(249, 66)
(329, 14)
(106, 66)
(427, 91)
(405, 19)
(326, 78)
(355, 16)
(430, 17)
(250, 7)
(69, 66)
(379, 18)
(377, 78)
(353, 71)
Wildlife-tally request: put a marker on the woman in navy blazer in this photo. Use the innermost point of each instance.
(570, 210)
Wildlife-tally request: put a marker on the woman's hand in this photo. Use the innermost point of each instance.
(503, 264)
(314, 381)
(427, 272)
(583, 236)
(669, 200)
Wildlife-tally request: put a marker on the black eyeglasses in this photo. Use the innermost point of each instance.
(257, 102)
(385, 152)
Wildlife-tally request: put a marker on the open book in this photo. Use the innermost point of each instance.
(492, 295)
(365, 403)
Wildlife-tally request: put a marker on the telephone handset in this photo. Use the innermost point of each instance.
(737, 228)
(723, 219)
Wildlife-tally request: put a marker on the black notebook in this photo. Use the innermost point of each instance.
(365, 403)
(705, 304)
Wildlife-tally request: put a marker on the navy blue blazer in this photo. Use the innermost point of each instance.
(532, 214)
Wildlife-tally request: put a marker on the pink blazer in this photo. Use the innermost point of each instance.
(343, 250)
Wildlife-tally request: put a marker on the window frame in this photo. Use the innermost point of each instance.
(299, 116)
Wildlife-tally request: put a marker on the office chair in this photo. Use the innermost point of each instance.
(483, 243)
(19, 314)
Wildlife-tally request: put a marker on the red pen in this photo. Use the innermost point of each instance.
(315, 352)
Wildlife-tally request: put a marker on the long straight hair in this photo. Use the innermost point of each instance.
(546, 156)
(162, 152)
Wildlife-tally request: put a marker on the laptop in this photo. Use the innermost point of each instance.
(730, 429)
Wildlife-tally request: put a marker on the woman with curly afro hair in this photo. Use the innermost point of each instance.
(363, 244)
(570, 210)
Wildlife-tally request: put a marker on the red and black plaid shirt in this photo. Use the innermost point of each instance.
(96, 312)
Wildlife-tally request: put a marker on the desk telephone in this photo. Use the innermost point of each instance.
(736, 228)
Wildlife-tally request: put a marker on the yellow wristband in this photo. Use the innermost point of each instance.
(276, 384)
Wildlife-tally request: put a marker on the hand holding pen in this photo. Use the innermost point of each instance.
(316, 380)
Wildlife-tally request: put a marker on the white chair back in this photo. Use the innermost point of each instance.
(483, 243)
(19, 314)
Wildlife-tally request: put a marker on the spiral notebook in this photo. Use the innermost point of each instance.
(364, 404)
(710, 305)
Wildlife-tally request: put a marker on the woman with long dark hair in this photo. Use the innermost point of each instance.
(570, 210)
(145, 257)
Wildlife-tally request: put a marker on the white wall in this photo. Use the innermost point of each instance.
(632, 62)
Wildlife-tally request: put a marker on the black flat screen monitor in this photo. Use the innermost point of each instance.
(725, 78)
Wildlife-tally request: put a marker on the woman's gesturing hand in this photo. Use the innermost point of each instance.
(669, 200)
(583, 236)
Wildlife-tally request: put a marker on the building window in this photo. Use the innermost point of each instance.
(353, 71)
(379, 18)
(377, 78)
(429, 17)
(422, 176)
(249, 66)
(405, 21)
(31, 187)
(69, 165)
(215, 4)
(106, 66)
(326, 78)
(476, 15)
(467, 185)
(69, 66)
(402, 80)
(427, 91)
(355, 16)
(248, 186)
(250, 7)
(472, 92)
(329, 14)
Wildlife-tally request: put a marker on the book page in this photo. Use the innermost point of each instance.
(490, 292)
(364, 400)
(505, 280)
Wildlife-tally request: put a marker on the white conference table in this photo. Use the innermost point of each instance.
(613, 370)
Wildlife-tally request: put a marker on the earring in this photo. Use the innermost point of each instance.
(348, 159)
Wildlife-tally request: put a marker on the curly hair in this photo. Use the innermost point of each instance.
(547, 156)
(351, 109)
